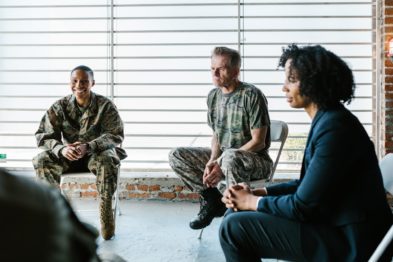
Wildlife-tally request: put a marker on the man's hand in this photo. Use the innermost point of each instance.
(82, 148)
(74, 151)
(239, 197)
(212, 174)
(70, 152)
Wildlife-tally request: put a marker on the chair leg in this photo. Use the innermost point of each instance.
(382, 246)
(117, 203)
(61, 188)
(200, 234)
(117, 199)
(116, 206)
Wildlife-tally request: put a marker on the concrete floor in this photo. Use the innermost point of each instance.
(150, 231)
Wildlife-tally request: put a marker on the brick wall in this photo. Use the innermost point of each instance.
(138, 185)
(134, 186)
(387, 96)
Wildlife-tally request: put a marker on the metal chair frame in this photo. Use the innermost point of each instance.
(278, 133)
(386, 165)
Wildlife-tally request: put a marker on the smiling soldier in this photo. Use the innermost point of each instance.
(81, 132)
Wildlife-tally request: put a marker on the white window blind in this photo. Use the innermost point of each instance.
(155, 59)
(40, 43)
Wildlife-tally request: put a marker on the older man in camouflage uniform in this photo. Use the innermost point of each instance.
(238, 115)
(80, 132)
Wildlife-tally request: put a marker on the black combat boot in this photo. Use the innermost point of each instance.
(210, 207)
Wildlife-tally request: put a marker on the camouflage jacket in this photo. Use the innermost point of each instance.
(64, 123)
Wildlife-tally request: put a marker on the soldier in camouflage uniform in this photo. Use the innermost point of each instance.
(238, 116)
(80, 132)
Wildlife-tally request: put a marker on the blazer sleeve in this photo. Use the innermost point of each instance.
(283, 188)
(329, 155)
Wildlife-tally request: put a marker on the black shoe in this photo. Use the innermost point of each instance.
(220, 211)
(210, 207)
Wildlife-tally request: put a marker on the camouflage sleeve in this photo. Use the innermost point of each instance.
(258, 110)
(112, 129)
(48, 134)
(209, 102)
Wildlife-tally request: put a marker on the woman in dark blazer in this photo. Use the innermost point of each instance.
(337, 210)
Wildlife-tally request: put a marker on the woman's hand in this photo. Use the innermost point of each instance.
(239, 197)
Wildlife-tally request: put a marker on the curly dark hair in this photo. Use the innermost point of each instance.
(324, 77)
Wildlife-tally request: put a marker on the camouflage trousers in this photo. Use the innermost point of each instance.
(104, 166)
(239, 165)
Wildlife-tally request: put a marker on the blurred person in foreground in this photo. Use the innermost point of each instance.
(81, 132)
(337, 210)
(239, 118)
(38, 224)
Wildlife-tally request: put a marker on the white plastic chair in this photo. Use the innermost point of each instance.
(386, 166)
(279, 134)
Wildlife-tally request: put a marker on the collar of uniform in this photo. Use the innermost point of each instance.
(91, 109)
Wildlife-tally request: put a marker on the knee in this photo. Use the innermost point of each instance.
(40, 159)
(174, 155)
(175, 152)
(227, 228)
(107, 158)
(231, 154)
(223, 230)
(229, 158)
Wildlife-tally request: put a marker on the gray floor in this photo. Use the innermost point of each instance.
(156, 231)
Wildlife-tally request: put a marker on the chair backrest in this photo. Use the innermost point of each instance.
(386, 165)
(278, 133)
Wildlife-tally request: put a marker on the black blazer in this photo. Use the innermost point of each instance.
(340, 190)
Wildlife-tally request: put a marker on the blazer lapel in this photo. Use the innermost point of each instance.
(317, 117)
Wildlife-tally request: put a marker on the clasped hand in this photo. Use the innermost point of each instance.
(239, 197)
(212, 174)
(74, 151)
